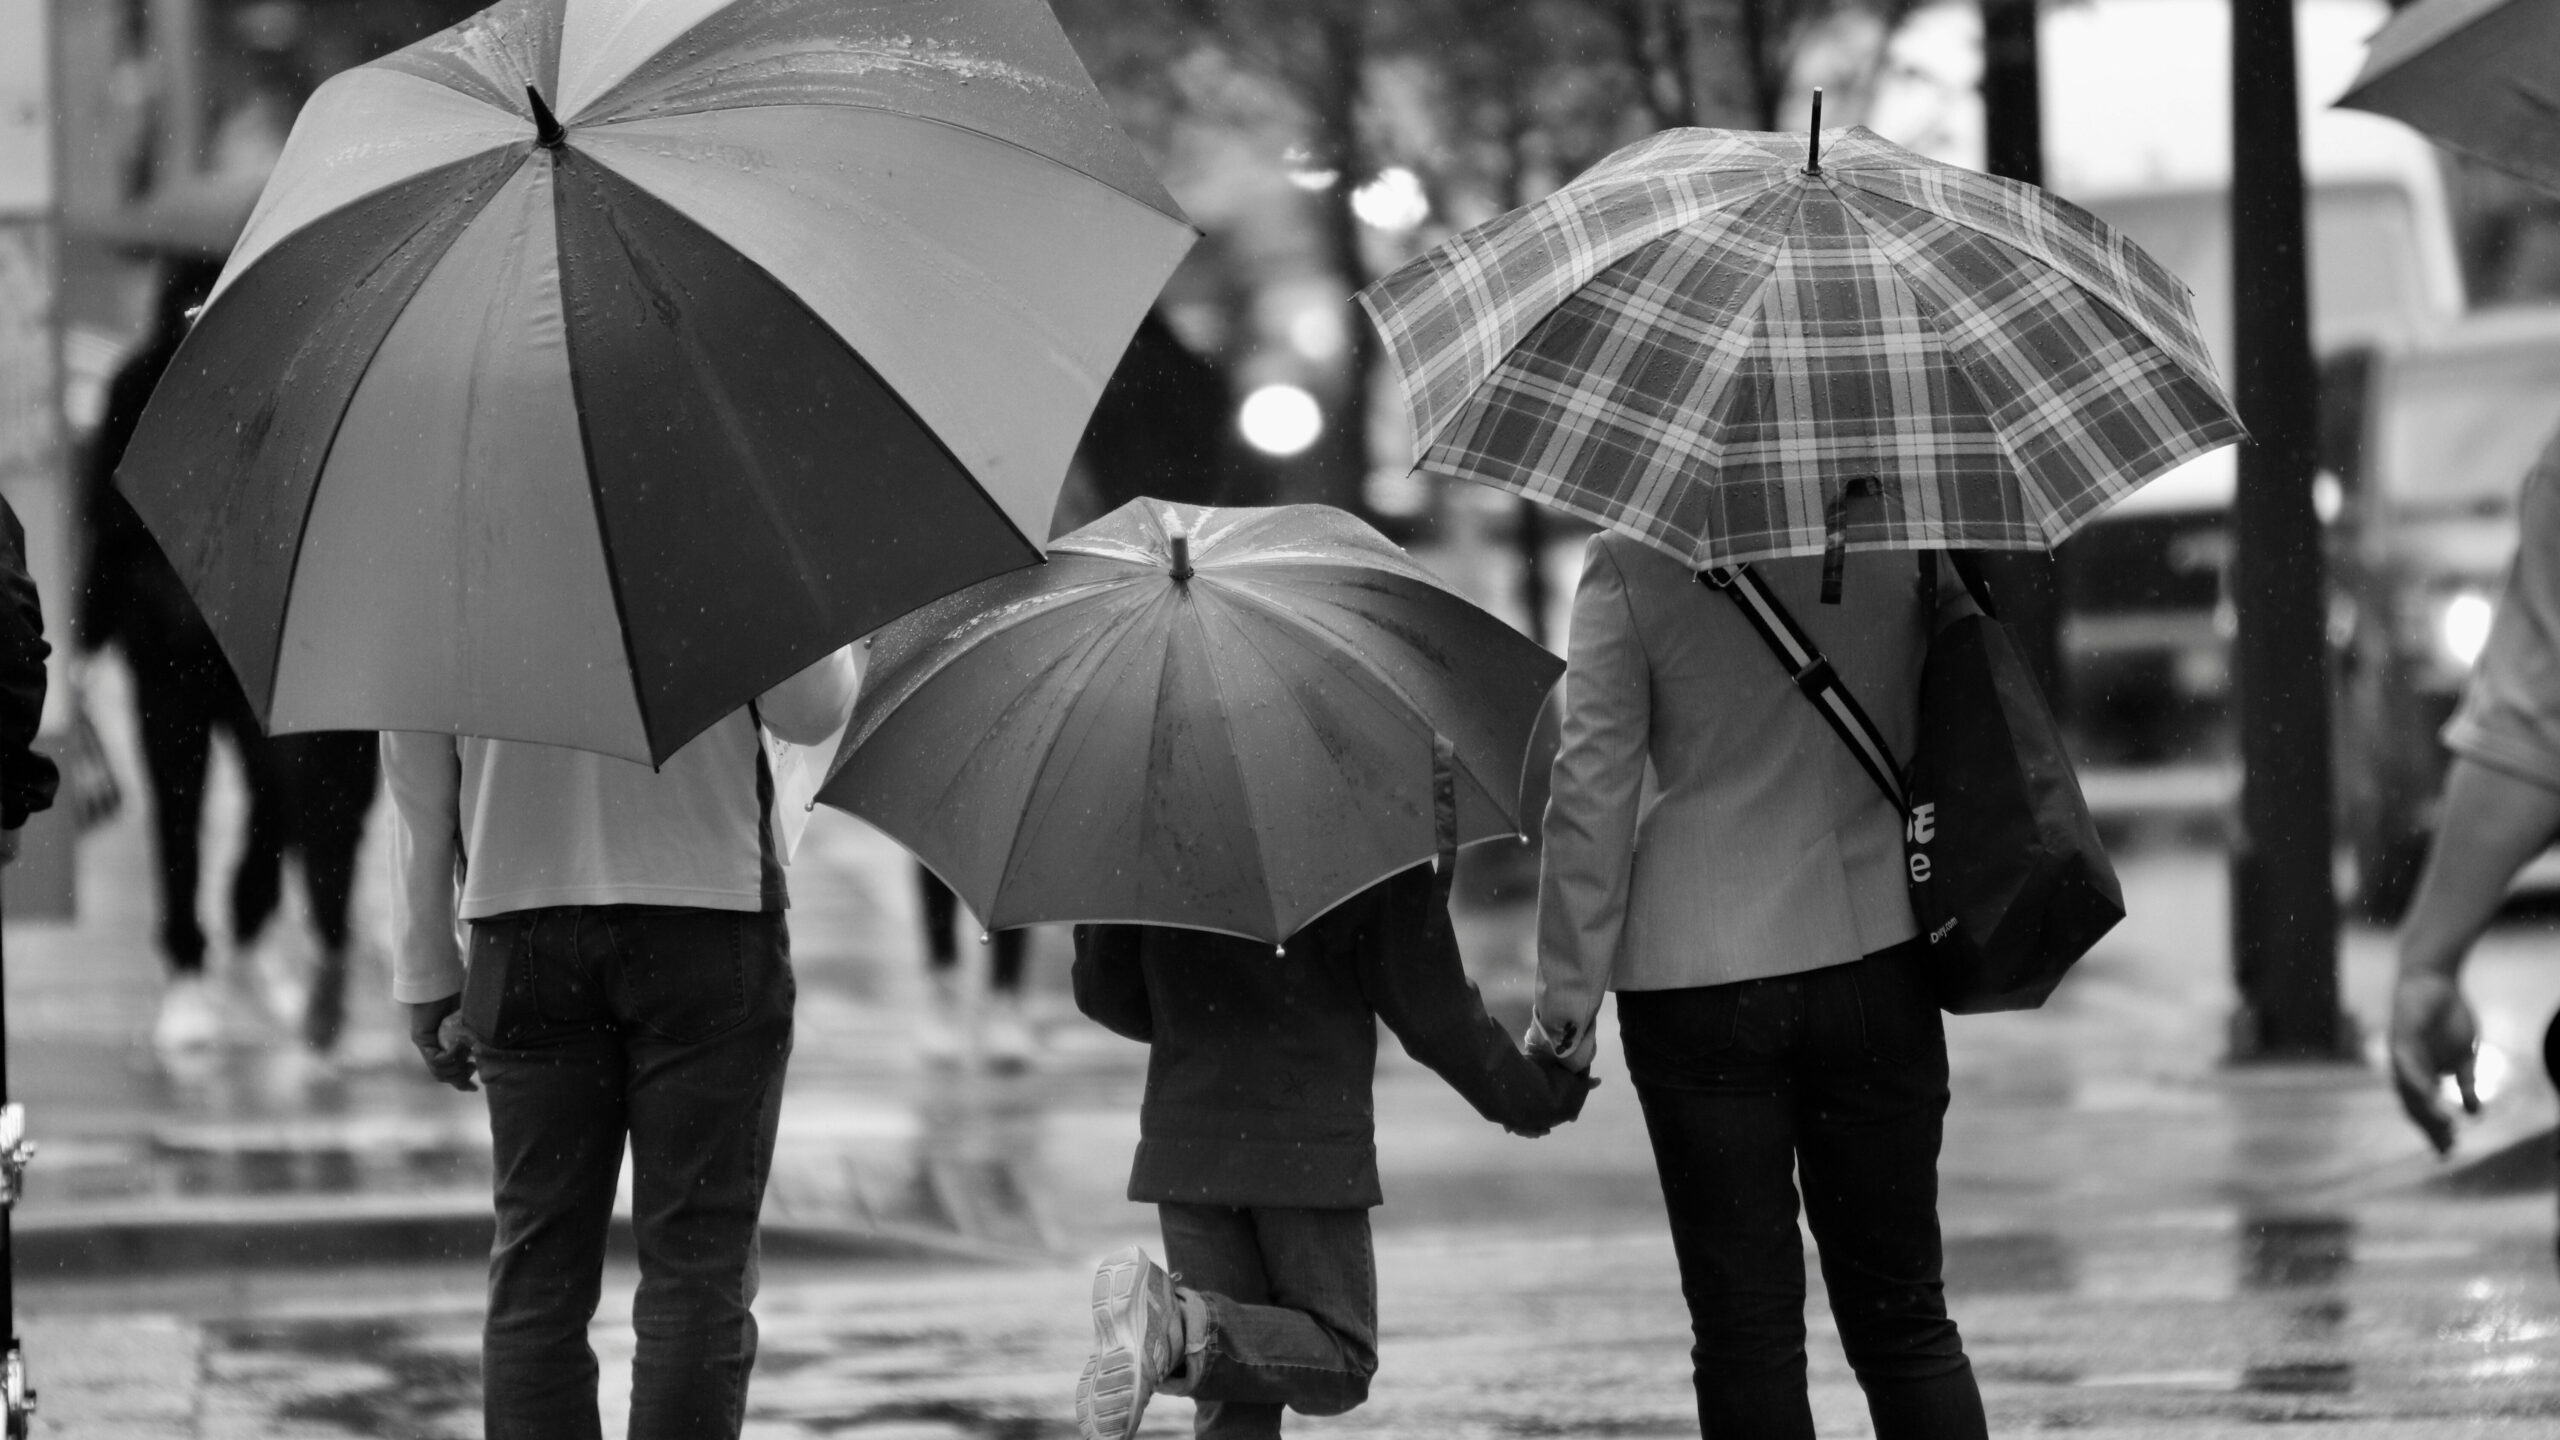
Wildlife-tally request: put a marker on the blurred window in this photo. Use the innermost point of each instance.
(2461, 428)
(2367, 280)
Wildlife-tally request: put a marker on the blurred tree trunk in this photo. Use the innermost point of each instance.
(1333, 94)
(2284, 917)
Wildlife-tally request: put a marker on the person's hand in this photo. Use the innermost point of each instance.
(2433, 1034)
(1569, 1086)
(1582, 1042)
(435, 1027)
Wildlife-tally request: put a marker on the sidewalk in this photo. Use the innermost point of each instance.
(2141, 1241)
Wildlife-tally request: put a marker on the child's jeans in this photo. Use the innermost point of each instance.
(1291, 1300)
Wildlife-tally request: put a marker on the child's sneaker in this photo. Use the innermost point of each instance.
(1133, 1344)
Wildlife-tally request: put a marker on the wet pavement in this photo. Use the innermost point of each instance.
(2141, 1240)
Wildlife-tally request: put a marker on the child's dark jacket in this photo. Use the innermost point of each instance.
(1259, 1076)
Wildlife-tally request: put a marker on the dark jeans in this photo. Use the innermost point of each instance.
(1838, 1078)
(328, 778)
(941, 938)
(182, 692)
(671, 1026)
(1292, 1301)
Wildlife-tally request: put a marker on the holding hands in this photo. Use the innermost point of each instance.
(1568, 1075)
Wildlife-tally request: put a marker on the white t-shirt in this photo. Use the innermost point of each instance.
(486, 827)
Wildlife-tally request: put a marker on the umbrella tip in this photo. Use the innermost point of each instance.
(1813, 139)
(1181, 557)
(547, 131)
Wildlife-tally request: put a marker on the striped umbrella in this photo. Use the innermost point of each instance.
(2480, 76)
(1720, 344)
(596, 364)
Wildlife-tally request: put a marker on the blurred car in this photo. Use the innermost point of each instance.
(2426, 448)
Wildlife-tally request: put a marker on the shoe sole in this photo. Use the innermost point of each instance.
(1112, 1395)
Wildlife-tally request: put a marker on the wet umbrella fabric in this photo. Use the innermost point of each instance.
(2480, 76)
(1238, 750)
(596, 364)
(1706, 346)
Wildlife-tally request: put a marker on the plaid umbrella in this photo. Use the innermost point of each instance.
(2475, 75)
(1716, 344)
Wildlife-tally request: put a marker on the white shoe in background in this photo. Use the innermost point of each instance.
(190, 1015)
(941, 1026)
(1005, 1036)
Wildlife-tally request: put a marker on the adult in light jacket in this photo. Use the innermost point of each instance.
(1715, 856)
(626, 984)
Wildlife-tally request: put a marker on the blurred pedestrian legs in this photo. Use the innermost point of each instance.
(998, 1027)
(183, 688)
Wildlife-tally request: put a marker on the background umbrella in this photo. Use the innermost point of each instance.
(1710, 344)
(2480, 76)
(595, 364)
(1233, 734)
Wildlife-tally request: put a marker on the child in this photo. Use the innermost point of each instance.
(1256, 1146)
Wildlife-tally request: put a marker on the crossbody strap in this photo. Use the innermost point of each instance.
(1812, 675)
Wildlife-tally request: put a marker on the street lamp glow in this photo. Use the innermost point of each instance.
(1280, 420)
(1393, 202)
(2462, 627)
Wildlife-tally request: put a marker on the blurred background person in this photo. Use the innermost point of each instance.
(999, 1029)
(183, 689)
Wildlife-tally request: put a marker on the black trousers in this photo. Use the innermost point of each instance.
(183, 692)
(942, 943)
(1836, 1076)
(328, 778)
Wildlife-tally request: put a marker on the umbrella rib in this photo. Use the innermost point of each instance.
(1098, 652)
(337, 424)
(1346, 647)
(1226, 726)
(1411, 708)
(1678, 216)
(791, 294)
(2014, 245)
(986, 135)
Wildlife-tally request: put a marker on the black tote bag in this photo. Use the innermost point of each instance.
(2008, 880)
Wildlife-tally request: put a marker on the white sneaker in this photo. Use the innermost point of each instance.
(1133, 1345)
(939, 1036)
(190, 1015)
(1005, 1035)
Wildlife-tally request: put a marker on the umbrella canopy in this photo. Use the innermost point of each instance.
(1706, 342)
(1231, 732)
(2479, 76)
(594, 365)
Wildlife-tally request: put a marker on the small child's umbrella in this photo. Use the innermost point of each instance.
(594, 365)
(1215, 718)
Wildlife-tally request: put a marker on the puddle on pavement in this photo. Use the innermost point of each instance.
(2283, 1251)
(371, 1377)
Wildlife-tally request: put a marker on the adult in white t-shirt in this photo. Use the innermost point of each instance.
(628, 975)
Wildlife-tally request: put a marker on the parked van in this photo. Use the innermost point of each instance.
(2428, 443)
(2137, 127)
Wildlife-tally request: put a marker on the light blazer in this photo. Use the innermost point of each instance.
(1705, 825)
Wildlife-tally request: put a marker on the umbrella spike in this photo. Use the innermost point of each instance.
(1813, 138)
(547, 130)
(1181, 545)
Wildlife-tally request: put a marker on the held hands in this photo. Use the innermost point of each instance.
(1568, 1083)
(435, 1027)
(2433, 1034)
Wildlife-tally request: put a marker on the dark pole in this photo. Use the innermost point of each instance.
(2025, 582)
(2284, 911)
